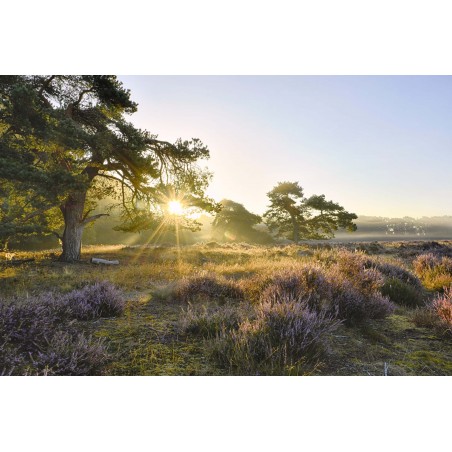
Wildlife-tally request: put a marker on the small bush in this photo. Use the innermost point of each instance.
(437, 314)
(396, 272)
(353, 297)
(252, 287)
(101, 299)
(307, 284)
(38, 337)
(435, 271)
(354, 306)
(425, 262)
(25, 324)
(436, 281)
(209, 321)
(282, 339)
(402, 293)
(424, 317)
(33, 343)
(207, 287)
(70, 354)
(442, 306)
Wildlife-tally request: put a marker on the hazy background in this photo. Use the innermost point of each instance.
(378, 145)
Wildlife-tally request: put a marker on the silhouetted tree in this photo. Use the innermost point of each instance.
(65, 142)
(235, 223)
(292, 215)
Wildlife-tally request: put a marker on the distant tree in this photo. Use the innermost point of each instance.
(292, 215)
(65, 142)
(235, 223)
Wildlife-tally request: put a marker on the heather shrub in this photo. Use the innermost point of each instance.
(442, 306)
(38, 336)
(401, 293)
(309, 285)
(33, 343)
(204, 287)
(354, 305)
(435, 271)
(397, 272)
(209, 321)
(26, 324)
(425, 262)
(359, 271)
(252, 287)
(101, 299)
(338, 292)
(425, 317)
(282, 339)
(70, 354)
(437, 314)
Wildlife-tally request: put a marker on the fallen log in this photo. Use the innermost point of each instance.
(96, 260)
(20, 261)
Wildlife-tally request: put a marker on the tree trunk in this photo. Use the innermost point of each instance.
(72, 211)
(296, 229)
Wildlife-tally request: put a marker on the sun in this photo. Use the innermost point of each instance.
(175, 208)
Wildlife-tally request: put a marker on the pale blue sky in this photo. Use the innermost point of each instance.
(377, 145)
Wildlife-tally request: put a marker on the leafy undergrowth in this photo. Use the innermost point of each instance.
(252, 310)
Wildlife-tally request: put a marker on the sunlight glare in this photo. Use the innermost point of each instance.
(175, 208)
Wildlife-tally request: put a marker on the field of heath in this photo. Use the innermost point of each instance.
(379, 308)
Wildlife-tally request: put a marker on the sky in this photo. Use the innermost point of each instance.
(377, 145)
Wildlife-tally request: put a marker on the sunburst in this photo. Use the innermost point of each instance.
(175, 208)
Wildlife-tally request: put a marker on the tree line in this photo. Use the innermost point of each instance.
(289, 215)
(66, 143)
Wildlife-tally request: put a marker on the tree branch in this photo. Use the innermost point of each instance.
(86, 214)
(46, 84)
(94, 218)
(59, 237)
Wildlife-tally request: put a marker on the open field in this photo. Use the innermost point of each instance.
(236, 309)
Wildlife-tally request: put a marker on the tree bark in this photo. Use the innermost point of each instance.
(296, 229)
(72, 211)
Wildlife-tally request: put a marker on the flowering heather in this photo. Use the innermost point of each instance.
(352, 299)
(209, 321)
(37, 336)
(353, 305)
(425, 262)
(437, 314)
(442, 306)
(32, 342)
(395, 272)
(26, 323)
(70, 354)
(207, 287)
(280, 340)
(101, 299)
(307, 284)
(358, 270)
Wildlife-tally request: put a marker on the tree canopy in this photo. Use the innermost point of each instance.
(235, 223)
(65, 142)
(290, 214)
